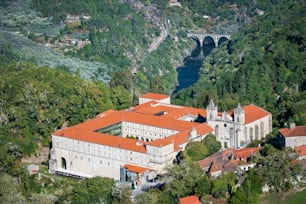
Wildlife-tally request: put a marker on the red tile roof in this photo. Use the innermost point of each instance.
(293, 132)
(246, 153)
(86, 131)
(222, 161)
(137, 169)
(182, 137)
(102, 139)
(300, 150)
(154, 96)
(252, 113)
(171, 111)
(190, 200)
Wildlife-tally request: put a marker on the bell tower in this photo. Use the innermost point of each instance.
(239, 115)
(212, 111)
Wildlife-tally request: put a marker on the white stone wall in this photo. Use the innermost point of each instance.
(145, 132)
(239, 135)
(160, 157)
(295, 141)
(165, 100)
(222, 131)
(89, 159)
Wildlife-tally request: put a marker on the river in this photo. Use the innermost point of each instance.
(188, 74)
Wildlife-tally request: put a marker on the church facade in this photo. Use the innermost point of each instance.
(238, 127)
(140, 142)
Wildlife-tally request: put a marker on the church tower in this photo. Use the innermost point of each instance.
(239, 116)
(212, 111)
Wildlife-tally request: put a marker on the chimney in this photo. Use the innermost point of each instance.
(292, 125)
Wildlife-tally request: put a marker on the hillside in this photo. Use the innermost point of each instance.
(264, 63)
(50, 80)
(139, 36)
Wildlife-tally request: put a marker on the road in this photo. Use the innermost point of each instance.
(159, 40)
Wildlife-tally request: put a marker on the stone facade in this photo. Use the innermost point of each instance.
(293, 136)
(238, 127)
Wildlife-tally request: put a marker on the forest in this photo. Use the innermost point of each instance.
(264, 64)
(42, 90)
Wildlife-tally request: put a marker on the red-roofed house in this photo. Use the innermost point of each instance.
(228, 160)
(293, 136)
(142, 140)
(190, 200)
(237, 128)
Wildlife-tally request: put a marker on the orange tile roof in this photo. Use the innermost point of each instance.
(182, 137)
(137, 169)
(293, 132)
(171, 111)
(190, 200)
(154, 96)
(86, 131)
(220, 161)
(300, 150)
(102, 139)
(252, 113)
(206, 163)
(246, 153)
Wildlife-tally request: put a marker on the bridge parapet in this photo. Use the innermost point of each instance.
(201, 37)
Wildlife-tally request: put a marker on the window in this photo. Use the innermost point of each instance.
(217, 130)
(64, 164)
(256, 132)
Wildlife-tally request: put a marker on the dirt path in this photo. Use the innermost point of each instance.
(159, 40)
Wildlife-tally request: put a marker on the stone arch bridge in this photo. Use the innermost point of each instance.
(201, 37)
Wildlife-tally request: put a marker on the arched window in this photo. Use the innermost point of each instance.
(251, 134)
(217, 130)
(256, 132)
(262, 130)
(246, 134)
(64, 163)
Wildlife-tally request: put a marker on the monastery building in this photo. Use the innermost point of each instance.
(140, 142)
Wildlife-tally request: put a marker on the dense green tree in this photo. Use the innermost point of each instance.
(199, 150)
(121, 97)
(196, 150)
(249, 190)
(211, 144)
(278, 170)
(203, 187)
(224, 185)
(182, 180)
(94, 190)
(152, 196)
(10, 189)
(37, 100)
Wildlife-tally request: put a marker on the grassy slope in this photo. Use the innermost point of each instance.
(18, 16)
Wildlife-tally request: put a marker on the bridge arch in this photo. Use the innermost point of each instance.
(222, 39)
(217, 38)
(208, 40)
